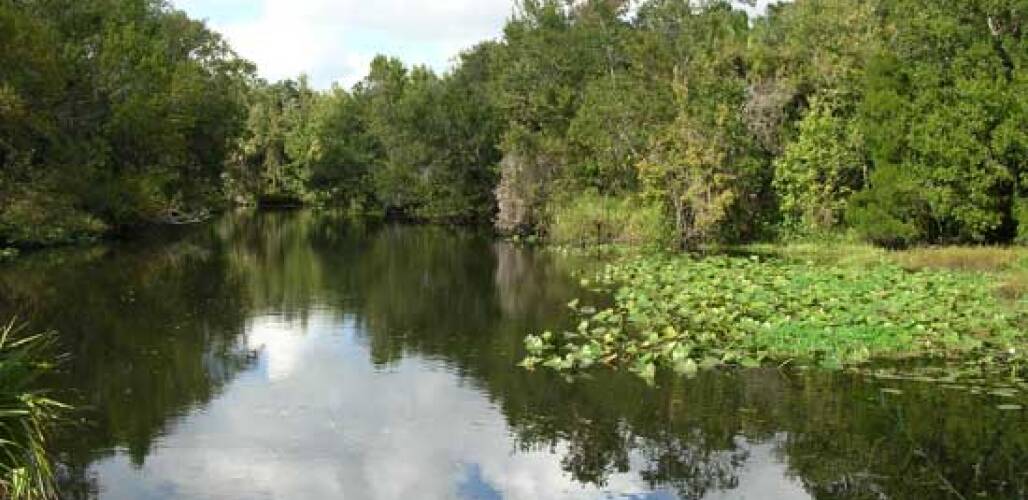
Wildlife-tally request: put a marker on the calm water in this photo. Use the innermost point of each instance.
(298, 356)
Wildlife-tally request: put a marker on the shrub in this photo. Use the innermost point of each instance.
(36, 218)
(589, 218)
(891, 213)
(819, 171)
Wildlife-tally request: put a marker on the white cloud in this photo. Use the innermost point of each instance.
(334, 40)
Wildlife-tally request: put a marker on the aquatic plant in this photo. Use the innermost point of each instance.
(689, 313)
(26, 415)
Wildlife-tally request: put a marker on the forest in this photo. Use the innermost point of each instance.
(840, 184)
(675, 122)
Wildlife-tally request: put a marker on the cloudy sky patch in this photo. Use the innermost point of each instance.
(334, 41)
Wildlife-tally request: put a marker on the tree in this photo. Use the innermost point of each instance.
(118, 112)
(819, 171)
(942, 101)
(705, 166)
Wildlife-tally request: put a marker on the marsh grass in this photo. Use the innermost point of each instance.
(963, 258)
(840, 253)
(1006, 266)
(591, 219)
(27, 415)
(1013, 285)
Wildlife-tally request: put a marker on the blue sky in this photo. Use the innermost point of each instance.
(333, 41)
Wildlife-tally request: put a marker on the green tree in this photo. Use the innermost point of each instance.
(819, 171)
(118, 112)
(943, 101)
(705, 167)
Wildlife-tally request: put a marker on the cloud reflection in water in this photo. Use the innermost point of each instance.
(316, 419)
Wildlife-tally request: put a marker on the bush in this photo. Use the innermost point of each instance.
(819, 171)
(589, 219)
(891, 213)
(36, 218)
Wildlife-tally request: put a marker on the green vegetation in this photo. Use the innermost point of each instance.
(26, 416)
(590, 219)
(682, 124)
(688, 120)
(403, 141)
(691, 312)
(112, 113)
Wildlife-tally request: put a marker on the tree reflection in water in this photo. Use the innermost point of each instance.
(159, 329)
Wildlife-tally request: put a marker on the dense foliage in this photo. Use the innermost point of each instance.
(818, 116)
(403, 141)
(902, 120)
(112, 113)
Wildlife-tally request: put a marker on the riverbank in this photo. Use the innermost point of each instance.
(824, 305)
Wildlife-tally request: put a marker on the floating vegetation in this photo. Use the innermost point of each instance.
(689, 314)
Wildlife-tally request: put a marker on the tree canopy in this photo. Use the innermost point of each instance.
(902, 121)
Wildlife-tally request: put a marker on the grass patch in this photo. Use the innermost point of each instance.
(982, 259)
(590, 219)
(687, 312)
(1007, 267)
(955, 258)
(1013, 285)
(26, 415)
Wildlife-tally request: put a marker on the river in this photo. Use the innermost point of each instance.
(297, 355)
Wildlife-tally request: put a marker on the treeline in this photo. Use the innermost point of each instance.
(403, 141)
(112, 113)
(683, 122)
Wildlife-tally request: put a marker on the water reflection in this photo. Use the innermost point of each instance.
(342, 427)
(295, 355)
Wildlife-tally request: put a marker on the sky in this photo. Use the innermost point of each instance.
(334, 41)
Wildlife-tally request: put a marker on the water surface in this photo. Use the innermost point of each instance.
(302, 356)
